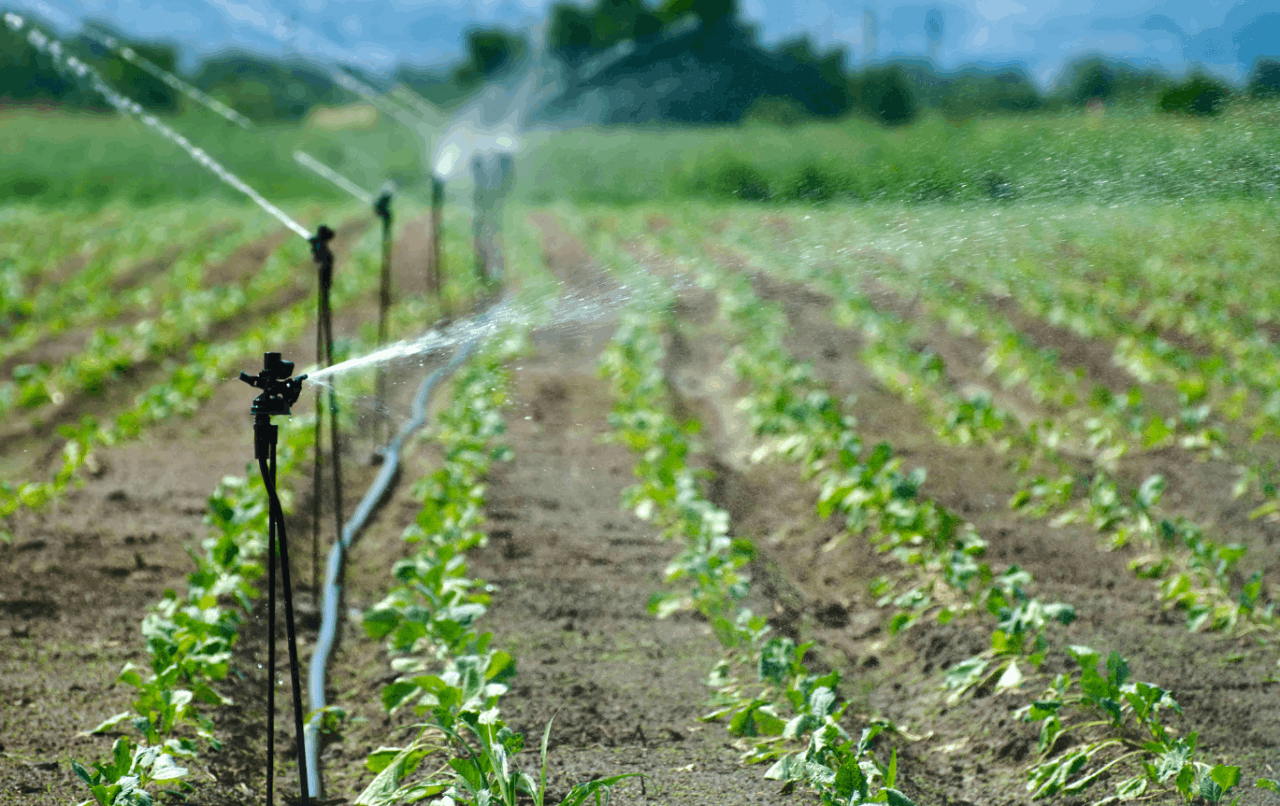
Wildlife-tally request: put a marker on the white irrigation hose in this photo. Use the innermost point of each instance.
(332, 590)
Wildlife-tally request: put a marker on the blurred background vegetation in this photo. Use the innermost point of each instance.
(695, 107)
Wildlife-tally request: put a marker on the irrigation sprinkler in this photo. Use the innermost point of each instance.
(382, 209)
(279, 393)
(323, 257)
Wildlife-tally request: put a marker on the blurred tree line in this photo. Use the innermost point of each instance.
(680, 60)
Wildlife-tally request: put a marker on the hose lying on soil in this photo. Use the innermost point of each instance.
(332, 590)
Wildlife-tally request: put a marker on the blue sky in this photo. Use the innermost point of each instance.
(1222, 35)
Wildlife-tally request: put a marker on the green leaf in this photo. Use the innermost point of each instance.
(166, 770)
(90, 779)
(896, 798)
(1131, 788)
(109, 724)
(1117, 669)
(1043, 708)
(1269, 784)
(1011, 678)
(966, 673)
(378, 760)
(1225, 776)
(394, 695)
(385, 790)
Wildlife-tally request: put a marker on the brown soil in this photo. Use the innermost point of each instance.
(572, 573)
(976, 745)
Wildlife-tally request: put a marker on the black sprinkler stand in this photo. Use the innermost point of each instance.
(279, 392)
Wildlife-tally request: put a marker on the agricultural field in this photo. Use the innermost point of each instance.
(884, 494)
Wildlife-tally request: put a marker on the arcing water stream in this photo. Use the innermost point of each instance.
(55, 50)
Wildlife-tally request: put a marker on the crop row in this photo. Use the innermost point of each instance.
(1194, 571)
(190, 641)
(801, 422)
(186, 385)
(790, 714)
(450, 674)
(51, 264)
(145, 266)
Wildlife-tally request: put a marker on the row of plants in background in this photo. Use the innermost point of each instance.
(788, 714)
(190, 639)
(186, 310)
(53, 264)
(1196, 574)
(449, 672)
(188, 383)
(799, 421)
(147, 265)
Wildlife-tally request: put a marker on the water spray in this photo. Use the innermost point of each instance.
(55, 49)
(382, 209)
(279, 393)
(416, 122)
(307, 161)
(130, 55)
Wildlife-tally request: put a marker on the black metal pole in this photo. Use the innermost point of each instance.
(435, 268)
(317, 469)
(279, 393)
(324, 260)
(382, 208)
(264, 431)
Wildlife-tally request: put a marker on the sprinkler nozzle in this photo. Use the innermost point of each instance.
(279, 391)
(382, 206)
(320, 244)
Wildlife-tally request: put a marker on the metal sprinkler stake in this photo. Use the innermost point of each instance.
(435, 268)
(382, 209)
(279, 393)
(323, 257)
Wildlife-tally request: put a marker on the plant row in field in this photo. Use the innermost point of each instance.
(826, 445)
(186, 311)
(801, 422)
(450, 674)
(187, 385)
(93, 249)
(790, 714)
(1195, 572)
(190, 641)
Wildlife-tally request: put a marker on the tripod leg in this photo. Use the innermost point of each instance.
(327, 319)
(268, 479)
(292, 638)
(316, 482)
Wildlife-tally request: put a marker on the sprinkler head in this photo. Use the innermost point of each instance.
(279, 391)
(382, 206)
(320, 244)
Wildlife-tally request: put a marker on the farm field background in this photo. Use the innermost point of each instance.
(993, 471)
